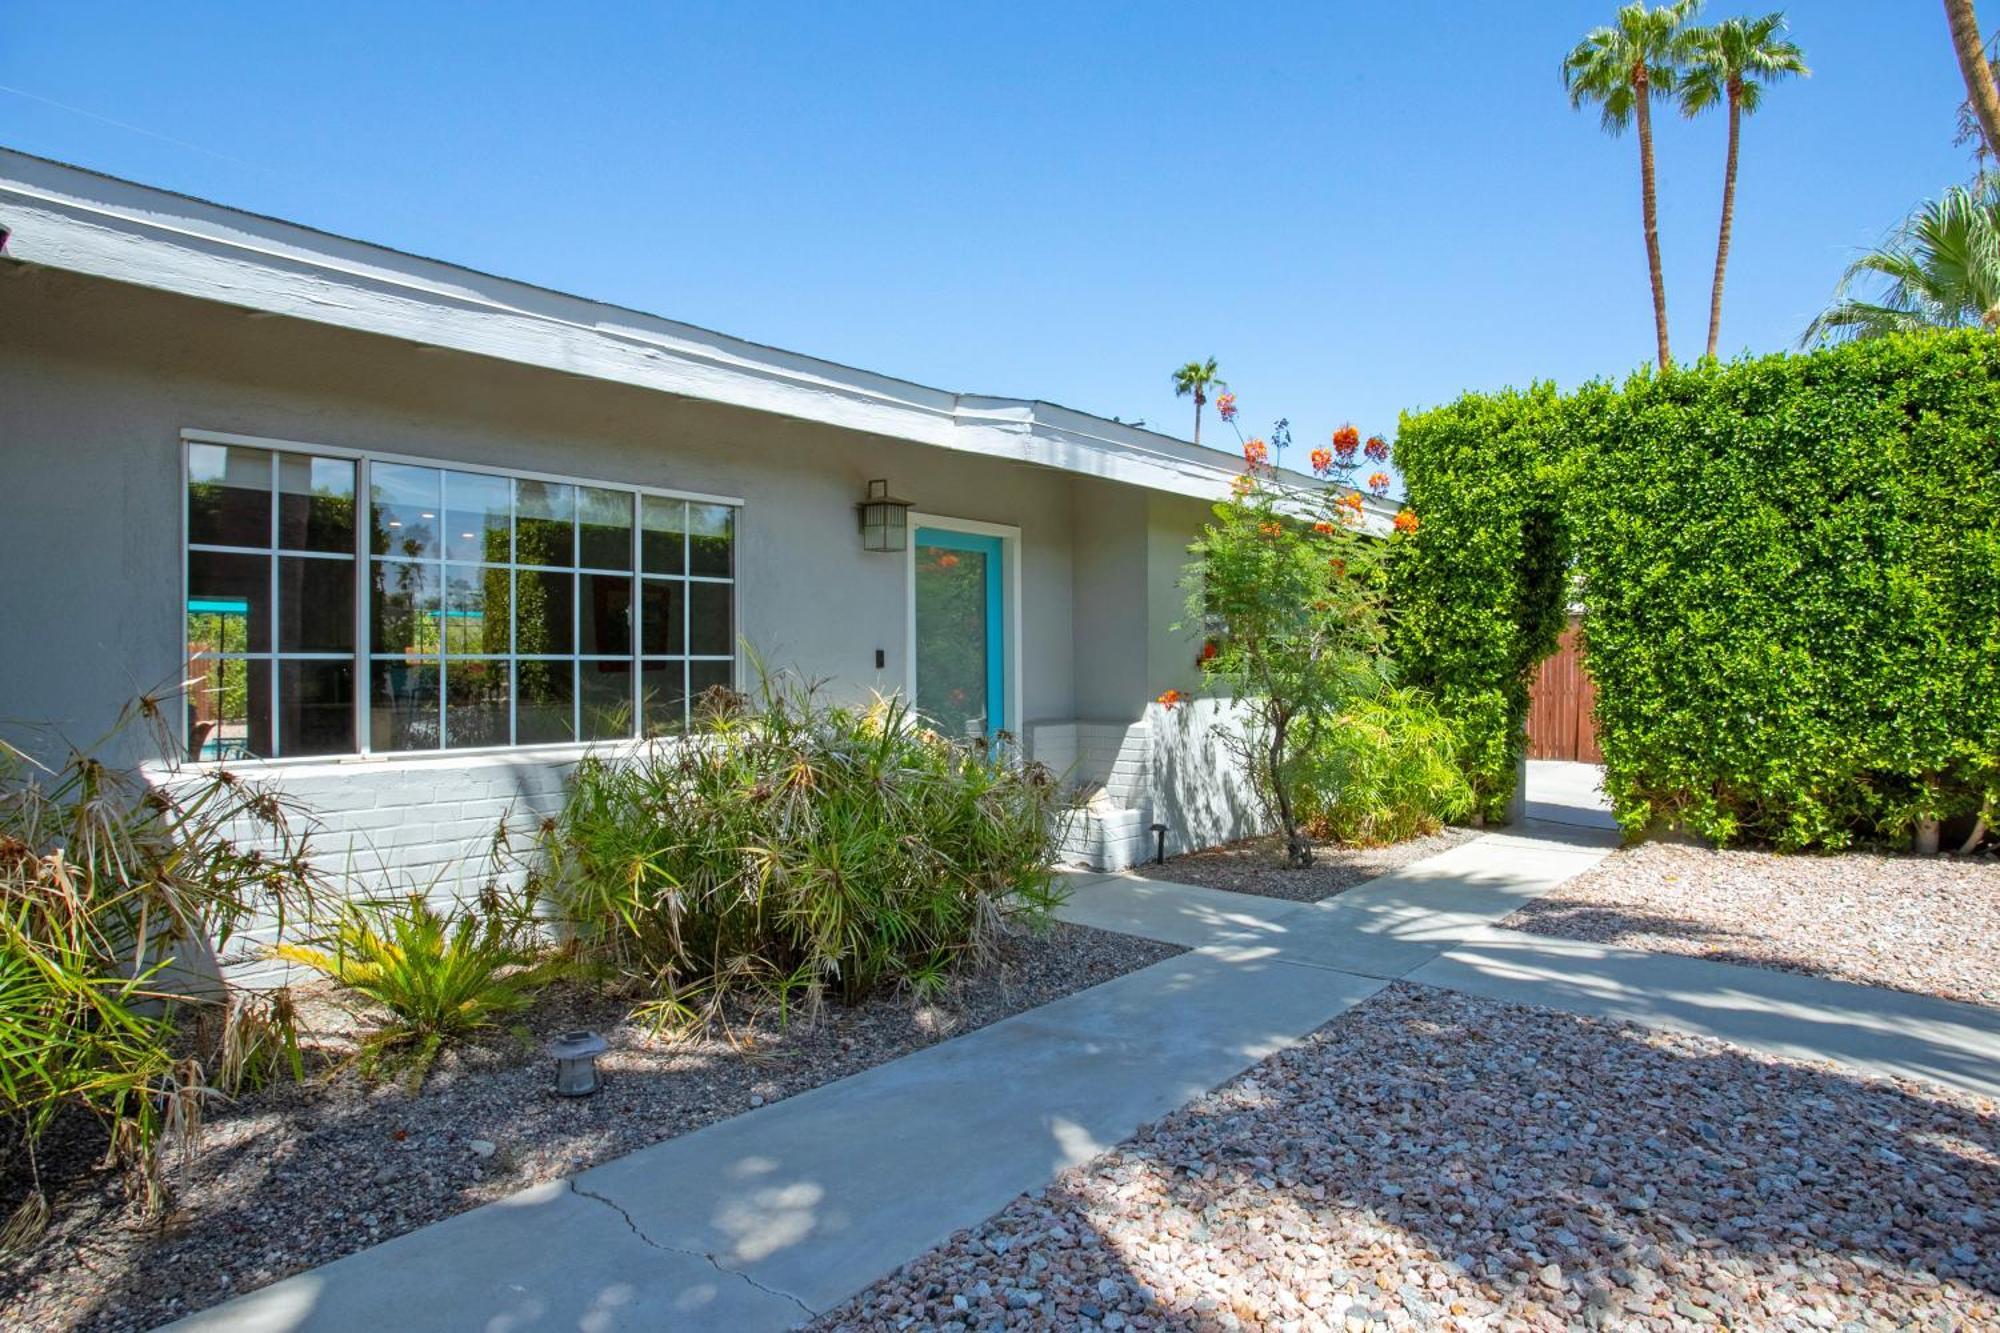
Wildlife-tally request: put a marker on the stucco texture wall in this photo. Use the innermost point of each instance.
(97, 380)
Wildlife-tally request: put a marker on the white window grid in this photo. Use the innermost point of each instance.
(363, 560)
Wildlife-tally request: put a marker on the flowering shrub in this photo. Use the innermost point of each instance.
(1284, 581)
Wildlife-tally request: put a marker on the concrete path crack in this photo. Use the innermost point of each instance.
(703, 1255)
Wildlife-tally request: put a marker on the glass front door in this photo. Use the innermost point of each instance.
(961, 632)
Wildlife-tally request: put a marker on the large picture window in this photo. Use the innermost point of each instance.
(339, 605)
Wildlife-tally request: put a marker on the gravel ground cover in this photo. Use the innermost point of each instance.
(1257, 865)
(1915, 923)
(295, 1177)
(1434, 1161)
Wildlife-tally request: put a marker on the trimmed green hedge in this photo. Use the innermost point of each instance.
(1792, 572)
(1478, 590)
(1792, 568)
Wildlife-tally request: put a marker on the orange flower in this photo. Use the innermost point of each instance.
(1351, 500)
(1209, 649)
(1406, 521)
(1256, 454)
(1171, 699)
(1323, 528)
(1225, 406)
(1243, 485)
(1378, 482)
(1322, 460)
(1346, 440)
(1338, 566)
(947, 561)
(1271, 529)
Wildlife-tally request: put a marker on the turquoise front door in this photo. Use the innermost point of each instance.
(961, 632)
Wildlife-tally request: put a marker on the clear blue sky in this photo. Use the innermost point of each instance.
(1356, 207)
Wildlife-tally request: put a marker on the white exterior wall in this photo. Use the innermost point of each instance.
(98, 380)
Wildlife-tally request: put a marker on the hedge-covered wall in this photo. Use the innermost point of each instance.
(1478, 590)
(1792, 570)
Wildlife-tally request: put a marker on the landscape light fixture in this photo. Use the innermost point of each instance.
(576, 1061)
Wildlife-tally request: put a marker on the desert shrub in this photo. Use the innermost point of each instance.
(440, 975)
(1792, 567)
(798, 847)
(1386, 770)
(1480, 586)
(116, 896)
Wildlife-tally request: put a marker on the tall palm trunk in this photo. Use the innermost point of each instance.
(1728, 215)
(1978, 74)
(1197, 416)
(1650, 205)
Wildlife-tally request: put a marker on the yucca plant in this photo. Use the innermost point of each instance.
(441, 975)
(798, 848)
(118, 897)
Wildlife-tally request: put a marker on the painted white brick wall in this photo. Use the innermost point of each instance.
(1176, 766)
(405, 825)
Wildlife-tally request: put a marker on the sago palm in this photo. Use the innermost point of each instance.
(1941, 270)
(1197, 378)
(1731, 64)
(1621, 68)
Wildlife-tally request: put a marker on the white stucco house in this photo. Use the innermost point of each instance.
(421, 536)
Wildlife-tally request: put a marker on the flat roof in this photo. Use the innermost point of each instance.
(67, 217)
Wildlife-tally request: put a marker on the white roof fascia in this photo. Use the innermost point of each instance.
(65, 217)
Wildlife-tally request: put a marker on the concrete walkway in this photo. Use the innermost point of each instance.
(1781, 1013)
(1561, 791)
(759, 1221)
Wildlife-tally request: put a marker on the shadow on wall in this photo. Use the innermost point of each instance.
(1201, 790)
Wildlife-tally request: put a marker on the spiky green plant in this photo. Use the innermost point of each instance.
(442, 975)
(796, 848)
(118, 894)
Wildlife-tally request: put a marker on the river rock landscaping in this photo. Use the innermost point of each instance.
(296, 1176)
(1928, 924)
(1257, 865)
(1430, 1160)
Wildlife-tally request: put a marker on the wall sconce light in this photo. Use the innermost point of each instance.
(885, 520)
(576, 1062)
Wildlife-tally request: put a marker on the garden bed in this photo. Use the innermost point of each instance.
(1435, 1161)
(1930, 925)
(296, 1176)
(1257, 865)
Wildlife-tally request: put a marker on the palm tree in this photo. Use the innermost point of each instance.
(1941, 270)
(1621, 68)
(1197, 378)
(1731, 63)
(1981, 95)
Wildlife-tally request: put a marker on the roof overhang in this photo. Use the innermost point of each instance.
(65, 217)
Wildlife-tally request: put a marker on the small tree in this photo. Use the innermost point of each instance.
(1286, 585)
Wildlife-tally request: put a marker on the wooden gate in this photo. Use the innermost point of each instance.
(1560, 725)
